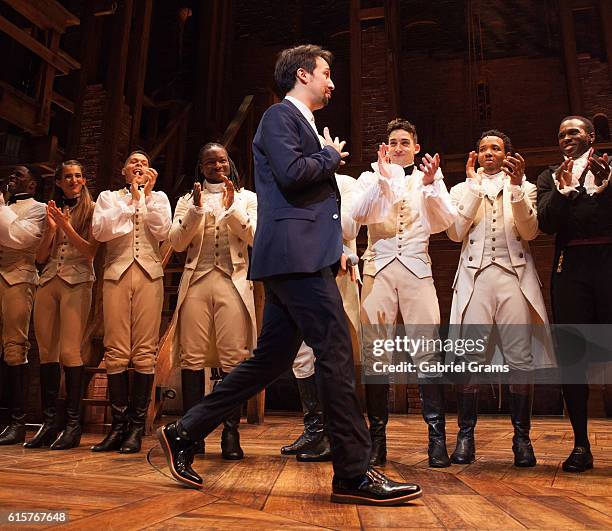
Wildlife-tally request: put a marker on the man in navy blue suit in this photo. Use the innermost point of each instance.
(296, 253)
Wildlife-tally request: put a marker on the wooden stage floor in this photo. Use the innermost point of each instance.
(265, 490)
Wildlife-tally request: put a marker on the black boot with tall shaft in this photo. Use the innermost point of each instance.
(192, 387)
(467, 402)
(432, 402)
(377, 399)
(71, 435)
(118, 395)
(314, 424)
(521, 399)
(50, 376)
(142, 386)
(17, 377)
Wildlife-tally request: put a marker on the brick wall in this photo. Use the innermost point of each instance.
(374, 89)
(92, 135)
(596, 86)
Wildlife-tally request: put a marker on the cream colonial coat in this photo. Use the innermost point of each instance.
(520, 226)
(187, 234)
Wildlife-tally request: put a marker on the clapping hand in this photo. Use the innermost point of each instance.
(514, 167)
(335, 143)
(228, 192)
(197, 194)
(384, 161)
(429, 167)
(56, 217)
(600, 168)
(470, 168)
(564, 173)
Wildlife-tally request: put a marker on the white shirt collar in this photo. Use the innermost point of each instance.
(214, 188)
(306, 112)
(498, 175)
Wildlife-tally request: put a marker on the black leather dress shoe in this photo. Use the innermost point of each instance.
(374, 488)
(178, 449)
(579, 460)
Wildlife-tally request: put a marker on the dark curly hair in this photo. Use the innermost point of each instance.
(405, 125)
(508, 148)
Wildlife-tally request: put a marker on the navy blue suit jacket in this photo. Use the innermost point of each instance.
(298, 217)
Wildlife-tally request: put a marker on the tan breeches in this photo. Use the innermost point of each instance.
(497, 298)
(214, 324)
(132, 315)
(396, 289)
(61, 311)
(15, 311)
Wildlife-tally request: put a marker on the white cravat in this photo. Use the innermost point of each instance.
(492, 184)
(212, 201)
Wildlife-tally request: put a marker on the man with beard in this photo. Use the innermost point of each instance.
(296, 252)
(132, 221)
(575, 203)
(22, 224)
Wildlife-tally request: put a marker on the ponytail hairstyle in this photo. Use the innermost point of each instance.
(82, 212)
(234, 176)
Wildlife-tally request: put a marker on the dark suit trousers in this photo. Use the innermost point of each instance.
(298, 306)
(581, 294)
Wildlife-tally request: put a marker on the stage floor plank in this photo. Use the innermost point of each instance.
(269, 491)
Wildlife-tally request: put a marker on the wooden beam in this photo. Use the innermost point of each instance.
(47, 77)
(572, 74)
(46, 14)
(63, 102)
(169, 132)
(372, 13)
(115, 82)
(57, 60)
(19, 109)
(355, 146)
(138, 65)
(90, 30)
(392, 12)
(241, 114)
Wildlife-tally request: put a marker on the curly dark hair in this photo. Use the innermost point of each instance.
(405, 125)
(508, 147)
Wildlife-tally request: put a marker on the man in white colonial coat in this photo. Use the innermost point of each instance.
(215, 311)
(496, 282)
(402, 207)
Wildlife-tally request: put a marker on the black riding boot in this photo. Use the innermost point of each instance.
(230, 438)
(71, 436)
(467, 402)
(432, 403)
(49, 389)
(377, 400)
(313, 419)
(17, 377)
(192, 387)
(118, 395)
(142, 386)
(521, 399)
